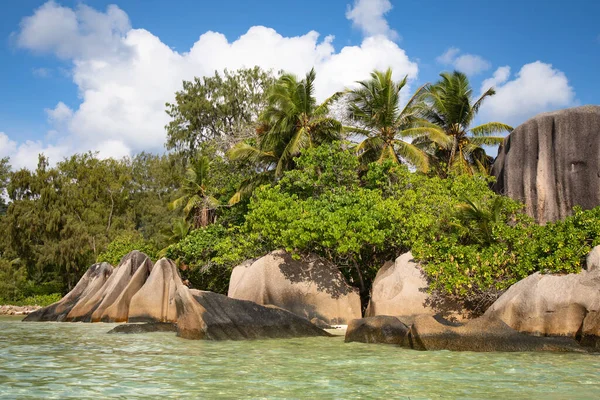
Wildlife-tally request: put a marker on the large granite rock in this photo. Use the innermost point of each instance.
(155, 301)
(380, 329)
(212, 316)
(92, 308)
(552, 163)
(309, 288)
(90, 283)
(481, 334)
(400, 289)
(553, 305)
(139, 266)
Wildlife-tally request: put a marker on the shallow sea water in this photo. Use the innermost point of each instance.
(78, 360)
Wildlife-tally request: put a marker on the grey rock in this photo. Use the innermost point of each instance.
(381, 329)
(149, 327)
(212, 316)
(552, 163)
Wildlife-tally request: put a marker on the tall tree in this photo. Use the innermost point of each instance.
(450, 109)
(198, 205)
(4, 178)
(222, 108)
(374, 107)
(291, 122)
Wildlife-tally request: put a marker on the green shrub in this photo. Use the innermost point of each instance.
(206, 256)
(124, 244)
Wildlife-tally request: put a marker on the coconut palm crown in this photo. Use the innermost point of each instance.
(449, 109)
(198, 205)
(374, 107)
(291, 122)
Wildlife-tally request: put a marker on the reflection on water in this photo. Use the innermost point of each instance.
(58, 360)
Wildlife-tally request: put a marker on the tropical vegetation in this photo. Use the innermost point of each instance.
(256, 162)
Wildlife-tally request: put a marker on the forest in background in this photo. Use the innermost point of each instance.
(255, 163)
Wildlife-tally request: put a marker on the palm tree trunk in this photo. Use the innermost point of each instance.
(453, 151)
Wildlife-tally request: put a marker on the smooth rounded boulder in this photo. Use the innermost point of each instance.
(381, 329)
(553, 305)
(310, 288)
(212, 316)
(400, 289)
(90, 283)
(551, 163)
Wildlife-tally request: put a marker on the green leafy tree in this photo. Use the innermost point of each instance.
(198, 205)
(374, 106)
(291, 122)
(450, 109)
(222, 109)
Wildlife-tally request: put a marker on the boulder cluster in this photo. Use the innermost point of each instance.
(541, 312)
(139, 291)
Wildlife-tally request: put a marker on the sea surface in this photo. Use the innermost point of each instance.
(78, 360)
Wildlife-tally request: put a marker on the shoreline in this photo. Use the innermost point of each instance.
(8, 309)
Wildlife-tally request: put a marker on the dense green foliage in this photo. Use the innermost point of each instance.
(258, 164)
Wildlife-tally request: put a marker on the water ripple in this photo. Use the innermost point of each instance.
(76, 360)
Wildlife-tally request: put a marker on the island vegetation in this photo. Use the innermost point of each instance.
(256, 163)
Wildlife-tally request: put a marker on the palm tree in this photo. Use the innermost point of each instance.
(477, 219)
(374, 106)
(198, 205)
(450, 110)
(291, 122)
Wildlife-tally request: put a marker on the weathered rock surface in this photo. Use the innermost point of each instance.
(90, 283)
(141, 267)
(212, 316)
(380, 329)
(552, 163)
(308, 288)
(148, 327)
(155, 301)
(593, 259)
(481, 334)
(93, 307)
(553, 305)
(400, 289)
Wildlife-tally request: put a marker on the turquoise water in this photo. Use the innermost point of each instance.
(77, 360)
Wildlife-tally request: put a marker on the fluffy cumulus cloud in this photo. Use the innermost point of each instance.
(470, 64)
(369, 17)
(126, 75)
(536, 88)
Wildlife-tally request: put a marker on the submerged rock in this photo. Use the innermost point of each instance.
(89, 284)
(379, 329)
(481, 334)
(148, 327)
(309, 288)
(551, 163)
(212, 316)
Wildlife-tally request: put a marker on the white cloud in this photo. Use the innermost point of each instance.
(25, 155)
(500, 76)
(536, 88)
(60, 113)
(42, 72)
(449, 56)
(369, 17)
(130, 74)
(7, 146)
(470, 64)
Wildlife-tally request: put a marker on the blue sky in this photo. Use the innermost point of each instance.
(94, 75)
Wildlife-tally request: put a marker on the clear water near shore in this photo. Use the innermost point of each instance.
(77, 360)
